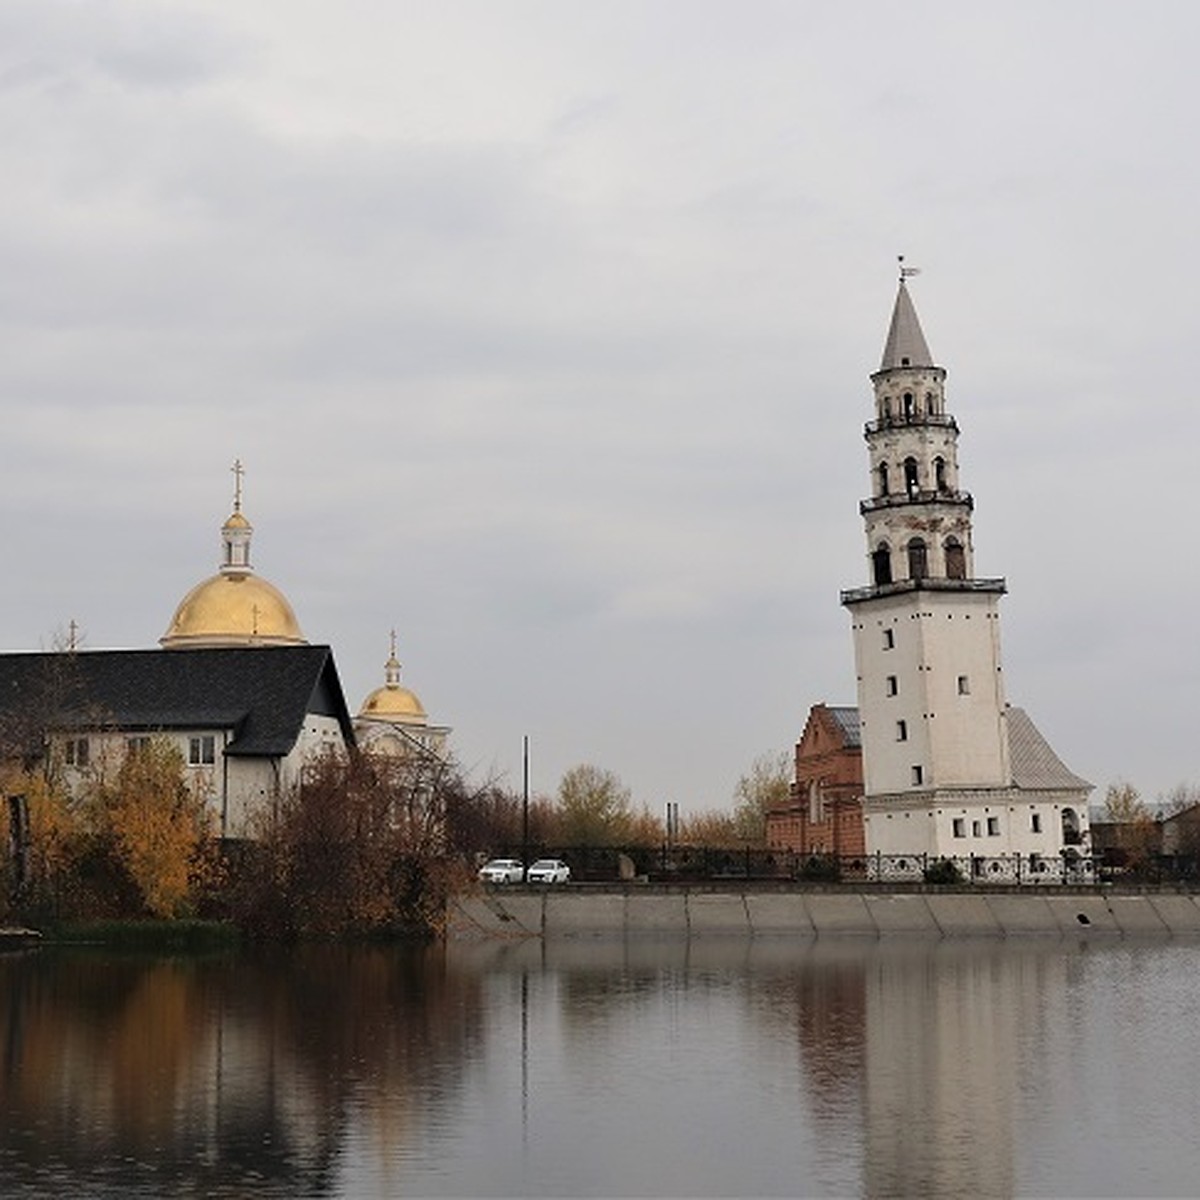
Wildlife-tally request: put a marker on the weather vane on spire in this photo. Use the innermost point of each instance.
(238, 471)
(906, 272)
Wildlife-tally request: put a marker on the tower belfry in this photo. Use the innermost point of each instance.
(938, 750)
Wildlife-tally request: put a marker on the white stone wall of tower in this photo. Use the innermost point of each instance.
(940, 642)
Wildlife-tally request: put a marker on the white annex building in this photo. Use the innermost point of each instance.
(948, 767)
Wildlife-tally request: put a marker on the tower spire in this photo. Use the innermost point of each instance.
(905, 346)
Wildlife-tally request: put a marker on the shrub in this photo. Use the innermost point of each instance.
(944, 871)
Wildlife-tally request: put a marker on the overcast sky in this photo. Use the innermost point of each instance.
(544, 332)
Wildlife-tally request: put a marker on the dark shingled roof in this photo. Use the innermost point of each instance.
(261, 694)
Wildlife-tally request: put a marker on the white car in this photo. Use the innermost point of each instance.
(549, 870)
(502, 870)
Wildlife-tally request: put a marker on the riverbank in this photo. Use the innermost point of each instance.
(664, 910)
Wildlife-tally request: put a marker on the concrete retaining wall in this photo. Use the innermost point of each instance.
(674, 912)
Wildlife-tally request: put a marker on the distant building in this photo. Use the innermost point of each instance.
(823, 814)
(393, 721)
(949, 769)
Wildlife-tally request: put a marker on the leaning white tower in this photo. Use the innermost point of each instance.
(948, 767)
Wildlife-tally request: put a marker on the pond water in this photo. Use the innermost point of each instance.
(591, 1068)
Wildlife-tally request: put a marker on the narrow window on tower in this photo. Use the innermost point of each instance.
(956, 559)
(908, 406)
(1035, 822)
(993, 826)
(930, 404)
(964, 686)
(918, 559)
(939, 473)
(881, 563)
(883, 479)
(902, 731)
(891, 685)
(889, 639)
(911, 483)
(918, 775)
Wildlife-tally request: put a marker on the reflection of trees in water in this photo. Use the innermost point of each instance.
(822, 997)
(221, 1075)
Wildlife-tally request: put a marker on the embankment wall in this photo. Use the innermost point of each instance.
(638, 911)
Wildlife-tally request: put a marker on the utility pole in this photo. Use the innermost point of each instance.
(525, 808)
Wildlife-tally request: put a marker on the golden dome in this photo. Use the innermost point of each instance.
(394, 703)
(237, 520)
(233, 609)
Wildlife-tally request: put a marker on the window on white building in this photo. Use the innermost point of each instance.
(202, 751)
(889, 639)
(918, 775)
(964, 685)
(1035, 822)
(136, 744)
(77, 752)
(960, 827)
(902, 731)
(993, 826)
(891, 685)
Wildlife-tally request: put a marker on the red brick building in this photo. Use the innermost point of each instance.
(824, 812)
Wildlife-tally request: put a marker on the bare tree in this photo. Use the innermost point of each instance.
(765, 785)
(593, 807)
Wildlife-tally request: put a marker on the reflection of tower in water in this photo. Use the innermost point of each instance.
(927, 1044)
(944, 1029)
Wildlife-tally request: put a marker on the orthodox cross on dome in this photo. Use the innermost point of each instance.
(238, 471)
(73, 636)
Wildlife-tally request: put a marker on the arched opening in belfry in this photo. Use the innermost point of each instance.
(911, 483)
(908, 406)
(930, 403)
(881, 563)
(918, 559)
(1071, 834)
(939, 473)
(883, 478)
(956, 559)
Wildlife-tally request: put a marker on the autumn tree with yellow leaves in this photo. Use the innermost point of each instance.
(153, 828)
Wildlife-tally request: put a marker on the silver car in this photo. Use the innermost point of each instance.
(549, 870)
(502, 870)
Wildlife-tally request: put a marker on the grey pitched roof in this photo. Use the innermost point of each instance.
(846, 718)
(260, 694)
(1035, 766)
(905, 345)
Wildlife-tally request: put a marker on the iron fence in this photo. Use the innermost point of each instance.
(714, 864)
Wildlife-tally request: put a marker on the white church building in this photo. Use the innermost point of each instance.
(949, 768)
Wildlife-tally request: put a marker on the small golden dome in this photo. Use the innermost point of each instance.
(394, 703)
(237, 520)
(233, 609)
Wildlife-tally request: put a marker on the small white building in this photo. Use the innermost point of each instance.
(949, 769)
